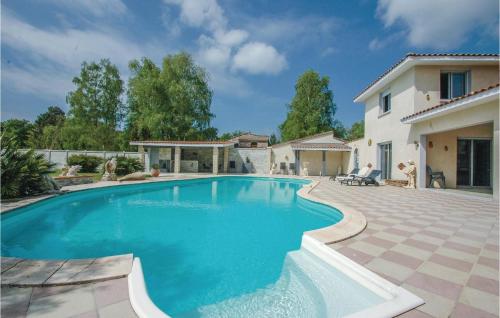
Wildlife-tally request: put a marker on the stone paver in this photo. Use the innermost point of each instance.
(26, 273)
(103, 299)
(442, 246)
(66, 288)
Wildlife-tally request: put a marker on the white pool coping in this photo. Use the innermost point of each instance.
(398, 300)
(138, 294)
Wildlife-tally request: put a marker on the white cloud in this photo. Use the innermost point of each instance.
(259, 58)
(50, 58)
(224, 48)
(232, 37)
(215, 56)
(328, 51)
(45, 82)
(299, 29)
(98, 8)
(198, 13)
(380, 43)
(443, 24)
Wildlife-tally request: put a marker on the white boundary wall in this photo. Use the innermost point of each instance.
(60, 157)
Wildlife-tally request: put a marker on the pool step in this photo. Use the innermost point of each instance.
(307, 287)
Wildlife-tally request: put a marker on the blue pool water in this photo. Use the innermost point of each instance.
(201, 242)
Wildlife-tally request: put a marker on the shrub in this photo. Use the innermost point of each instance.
(88, 163)
(125, 165)
(23, 173)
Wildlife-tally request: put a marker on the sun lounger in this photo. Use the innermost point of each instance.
(362, 173)
(371, 178)
(353, 172)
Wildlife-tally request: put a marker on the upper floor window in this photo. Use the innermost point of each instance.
(454, 84)
(385, 102)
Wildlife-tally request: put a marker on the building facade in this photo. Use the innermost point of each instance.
(439, 110)
(317, 155)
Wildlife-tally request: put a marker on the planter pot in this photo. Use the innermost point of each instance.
(155, 172)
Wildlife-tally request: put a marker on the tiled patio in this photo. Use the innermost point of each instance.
(441, 246)
(66, 288)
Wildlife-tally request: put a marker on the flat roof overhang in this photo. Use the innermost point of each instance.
(320, 147)
(411, 61)
(460, 104)
(185, 144)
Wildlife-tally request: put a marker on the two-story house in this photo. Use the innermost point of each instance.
(439, 110)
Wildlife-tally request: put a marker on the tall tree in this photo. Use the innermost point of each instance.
(52, 117)
(357, 130)
(19, 130)
(312, 108)
(339, 130)
(171, 102)
(273, 140)
(229, 135)
(47, 129)
(95, 105)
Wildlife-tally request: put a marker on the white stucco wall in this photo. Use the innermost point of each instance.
(382, 128)
(427, 81)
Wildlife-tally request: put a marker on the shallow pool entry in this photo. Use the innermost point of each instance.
(206, 245)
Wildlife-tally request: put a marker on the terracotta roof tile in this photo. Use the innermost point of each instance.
(250, 136)
(422, 55)
(450, 101)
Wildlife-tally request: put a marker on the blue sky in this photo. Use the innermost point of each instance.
(253, 50)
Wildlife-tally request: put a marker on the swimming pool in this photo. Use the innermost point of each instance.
(209, 247)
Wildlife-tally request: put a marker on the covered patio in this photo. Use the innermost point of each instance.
(320, 159)
(173, 156)
(459, 139)
(464, 156)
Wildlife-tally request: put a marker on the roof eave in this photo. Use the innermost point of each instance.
(411, 61)
(461, 104)
(189, 145)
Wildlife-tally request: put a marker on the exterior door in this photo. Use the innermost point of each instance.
(474, 162)
(386, 160)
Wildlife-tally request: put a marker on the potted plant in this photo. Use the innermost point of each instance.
(155, 170)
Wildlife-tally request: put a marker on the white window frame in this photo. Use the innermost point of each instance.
(450, 84)
(381, 101)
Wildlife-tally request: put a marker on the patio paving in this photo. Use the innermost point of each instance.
(66, 288)
(439, 245)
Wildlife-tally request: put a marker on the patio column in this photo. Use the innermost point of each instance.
(323, 163)
(297, 162)
(495, 167)
(226, 159)
(177, 159)
(215, 161)
(422, 163)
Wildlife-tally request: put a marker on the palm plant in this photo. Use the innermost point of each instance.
(22, 173)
